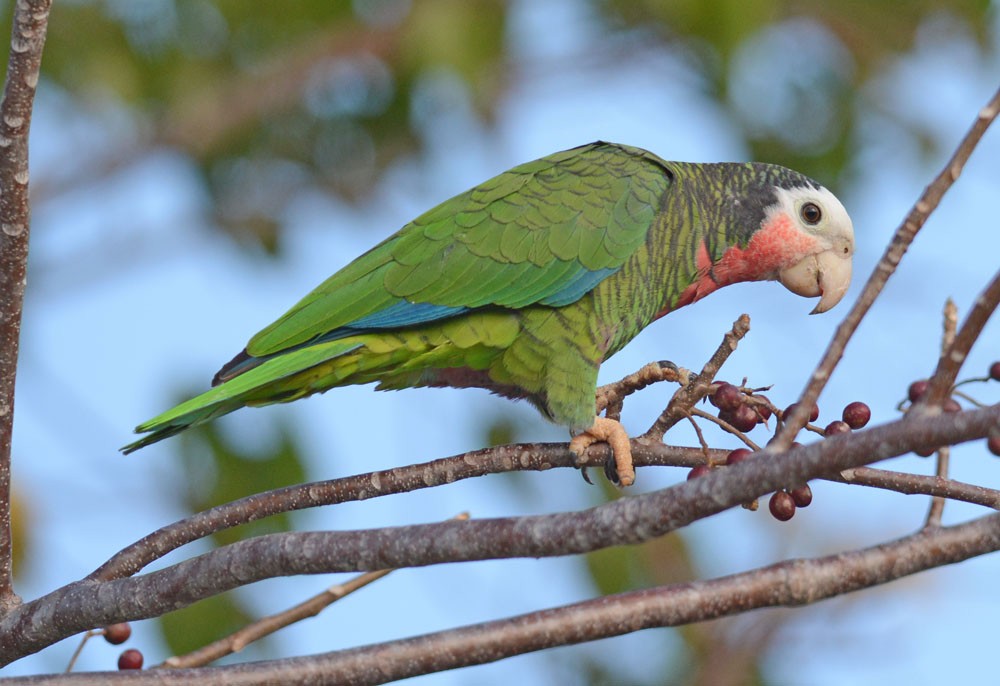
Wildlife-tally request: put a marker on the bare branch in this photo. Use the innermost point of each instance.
(506, 458)
(954, 356)
(918, 484)
(86, 604)
(23, 65)
(904, 235)
(788, 583)
(950, 325)
(696, 389)
(266, 626)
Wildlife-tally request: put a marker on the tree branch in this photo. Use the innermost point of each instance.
(86, 604)
(904, 235)
(953, 355)
(788, 583)
(23, 65)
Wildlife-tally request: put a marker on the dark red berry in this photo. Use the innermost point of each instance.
(727, 397)
(763, 410)
(951, 405)
(744, 418)
(699, 470)
(925, 452)
(802, 495)
(813, 416)
(857, 414)
(738, 455)
(782, 506)
(837, 427)
(916, 390)
(711, 398)
(130, 659)
(117, 634)
(995, 371)
(993, 444)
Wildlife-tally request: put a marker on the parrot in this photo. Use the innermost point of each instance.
(525, 284)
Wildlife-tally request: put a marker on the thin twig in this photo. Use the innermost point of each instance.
(266, 626)
(950, 325)
(904, 235)
(725, 426)
(87, 635)
(701, 439)
(951, 360)
(697, 387)
(918, 484)
(23, 65)
(611, 396)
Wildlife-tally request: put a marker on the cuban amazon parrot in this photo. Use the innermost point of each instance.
(526, 283)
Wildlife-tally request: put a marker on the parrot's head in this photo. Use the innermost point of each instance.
(814, 223)
(784, 227)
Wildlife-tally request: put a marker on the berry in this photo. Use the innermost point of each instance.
(738, 455)
(117, 634)
(699, 470)
(802, 495)
(857, 414)
(995, 371)
(727, 397)
(813, 416)
(916, 390)
(925, 452)
(743, 419)
(992, 444)
(130, 659)
(782, 506)
(763, 409)
(951, 405)
(837, 427)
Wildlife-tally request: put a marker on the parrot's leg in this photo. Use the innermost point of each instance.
(613, 432)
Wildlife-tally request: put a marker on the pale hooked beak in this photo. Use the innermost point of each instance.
(827, 274)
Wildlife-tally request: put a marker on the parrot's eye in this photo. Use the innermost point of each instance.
(811, 213)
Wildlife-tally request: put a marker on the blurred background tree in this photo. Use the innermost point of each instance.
(187, 154)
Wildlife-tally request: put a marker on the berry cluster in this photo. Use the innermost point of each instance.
(743, 409)
(740, 408)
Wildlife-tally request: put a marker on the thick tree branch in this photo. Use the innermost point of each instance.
(23, 65)
(83, 605)
(789, 583)
(904, 235)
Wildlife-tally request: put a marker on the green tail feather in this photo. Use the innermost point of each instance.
(260, 385)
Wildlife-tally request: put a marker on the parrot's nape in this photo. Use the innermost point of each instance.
(526, 283)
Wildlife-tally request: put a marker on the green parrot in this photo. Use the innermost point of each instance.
(526, 283)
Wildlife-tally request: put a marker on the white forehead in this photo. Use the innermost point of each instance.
(836, 221)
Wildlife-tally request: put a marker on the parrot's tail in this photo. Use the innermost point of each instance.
(260, 385)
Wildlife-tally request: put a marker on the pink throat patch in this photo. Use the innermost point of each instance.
(778, 244)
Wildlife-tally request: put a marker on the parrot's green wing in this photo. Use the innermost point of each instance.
(545, 232)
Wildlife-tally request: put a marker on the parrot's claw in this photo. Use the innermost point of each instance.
(613, 433)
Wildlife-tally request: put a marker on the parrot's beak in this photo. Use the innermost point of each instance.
(826, 274)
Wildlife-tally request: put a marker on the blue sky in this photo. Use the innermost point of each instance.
(102, 341)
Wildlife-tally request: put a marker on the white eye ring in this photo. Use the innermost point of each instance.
(811, 213)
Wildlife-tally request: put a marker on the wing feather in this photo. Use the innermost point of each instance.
(546, 232)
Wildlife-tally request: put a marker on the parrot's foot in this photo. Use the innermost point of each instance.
(614, 433)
